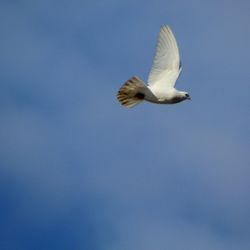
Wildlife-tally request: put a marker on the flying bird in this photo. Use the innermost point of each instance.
(162, 77)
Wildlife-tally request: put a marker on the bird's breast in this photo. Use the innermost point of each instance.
(162, 97)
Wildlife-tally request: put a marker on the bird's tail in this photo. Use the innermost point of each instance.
(132, 92)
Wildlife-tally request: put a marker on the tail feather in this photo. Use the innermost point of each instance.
(132, 92)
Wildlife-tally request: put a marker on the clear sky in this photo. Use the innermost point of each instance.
(79, 171)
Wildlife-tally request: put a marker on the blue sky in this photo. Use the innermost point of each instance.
(79, 171)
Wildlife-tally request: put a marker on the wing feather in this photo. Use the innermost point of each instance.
(167, 65)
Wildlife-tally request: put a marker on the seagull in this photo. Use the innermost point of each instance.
(162, 78)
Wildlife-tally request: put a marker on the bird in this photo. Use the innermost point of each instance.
(160, 88)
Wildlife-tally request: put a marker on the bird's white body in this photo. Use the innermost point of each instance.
(171, 96)
(162, 78)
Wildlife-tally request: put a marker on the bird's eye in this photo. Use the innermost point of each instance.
(187, 95)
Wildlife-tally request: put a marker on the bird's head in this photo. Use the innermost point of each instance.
(185, 96)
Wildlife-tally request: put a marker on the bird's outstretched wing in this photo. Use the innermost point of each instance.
(167, 65)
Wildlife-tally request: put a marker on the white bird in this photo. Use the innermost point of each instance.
(162, 77)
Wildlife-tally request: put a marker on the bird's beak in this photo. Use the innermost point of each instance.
(189, 98)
